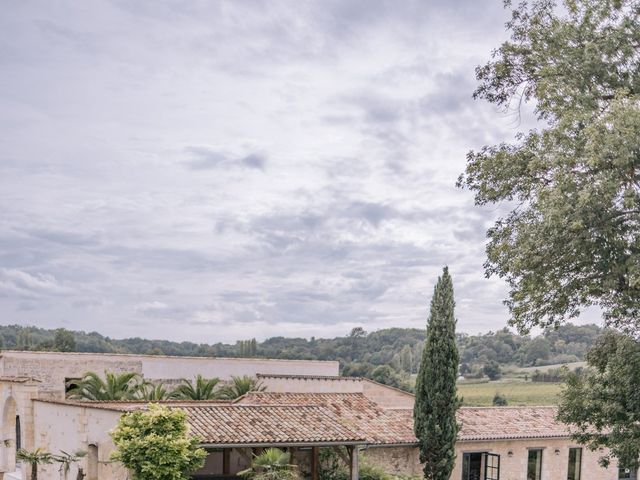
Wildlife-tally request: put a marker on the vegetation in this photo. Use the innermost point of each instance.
(481, 394)
(572, 239)
(66, 459)
(156, 445)
(34, 458)
(436, 401)
(499, 400)
(332, 467)
(602, 402)
(398, 350)
(115, 386)
(153, 392)
(240, 386)
(272, 464)
(200, 389)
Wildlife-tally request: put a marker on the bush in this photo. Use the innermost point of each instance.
(499, 400)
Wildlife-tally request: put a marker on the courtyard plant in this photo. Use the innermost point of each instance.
(155, 444)
(272, 464)
(114, 386)
(34, 458)
(200, 388)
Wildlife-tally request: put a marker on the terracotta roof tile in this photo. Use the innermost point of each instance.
(266, 424)
(375, 424)
(495, 423)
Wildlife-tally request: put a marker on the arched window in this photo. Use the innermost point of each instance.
(18, 434)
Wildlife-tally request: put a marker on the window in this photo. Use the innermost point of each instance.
(18, 433)
(534, 464)
(480, 466)
(492, 466)
(626, 474)
(575, 464)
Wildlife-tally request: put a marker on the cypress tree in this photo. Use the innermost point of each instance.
(436, 401)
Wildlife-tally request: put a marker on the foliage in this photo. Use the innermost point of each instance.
(201, 389)
(115, 386)
(359, 354)
(66, 459)
(602, 402)
(331, 467)
(153, 392)
(272, 464)
(64, 341)
(499, 400)
(571, 239)
(240, 386)
(492, 370)
(34, 459)
(436, 401)
(155, 444)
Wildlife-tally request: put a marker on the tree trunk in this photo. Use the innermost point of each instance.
(34, 471)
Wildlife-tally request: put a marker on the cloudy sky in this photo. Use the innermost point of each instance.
(219, 170)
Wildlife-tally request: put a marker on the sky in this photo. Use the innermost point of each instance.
(221, 170)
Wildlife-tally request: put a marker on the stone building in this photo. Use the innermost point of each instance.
(357, 419)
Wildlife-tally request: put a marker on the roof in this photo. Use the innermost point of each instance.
(377, 425)
(268, 424)
(312, 418)
(506, 423)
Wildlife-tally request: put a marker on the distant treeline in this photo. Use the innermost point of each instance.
(390, 355)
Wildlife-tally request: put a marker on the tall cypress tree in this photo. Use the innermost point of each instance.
(436, 402)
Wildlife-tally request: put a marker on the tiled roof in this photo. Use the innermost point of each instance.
(503, 423)
(375, 424)
(267, 424)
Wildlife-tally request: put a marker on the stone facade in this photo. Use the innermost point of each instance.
(53, 369)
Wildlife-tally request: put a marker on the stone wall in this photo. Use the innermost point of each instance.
(555, 458)
(54, 368)
(401, 460)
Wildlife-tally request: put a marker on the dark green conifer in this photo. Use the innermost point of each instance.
(436, 401)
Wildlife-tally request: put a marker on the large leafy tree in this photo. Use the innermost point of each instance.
(603, 403)
(199, 389)
(571, 239)
(436, 401)
(114, 386)
(156, 445)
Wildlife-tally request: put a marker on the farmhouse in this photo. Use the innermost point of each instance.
(357, 420)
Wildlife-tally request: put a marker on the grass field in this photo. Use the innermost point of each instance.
(516, 392)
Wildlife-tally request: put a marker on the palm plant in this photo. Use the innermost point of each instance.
(153, 393)
(201, 389)
(65, 460)
(115, 386)
(272, 464)
(240, 386)
(34, 458)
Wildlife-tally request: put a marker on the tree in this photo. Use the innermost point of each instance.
(34, 459)
(436, 401)
(201, 389)
(602, 402)
(155, 444)
(64, 341)
(492, 370)
(240, 386)
(115, 386)
(272, 464)
(572, 237)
